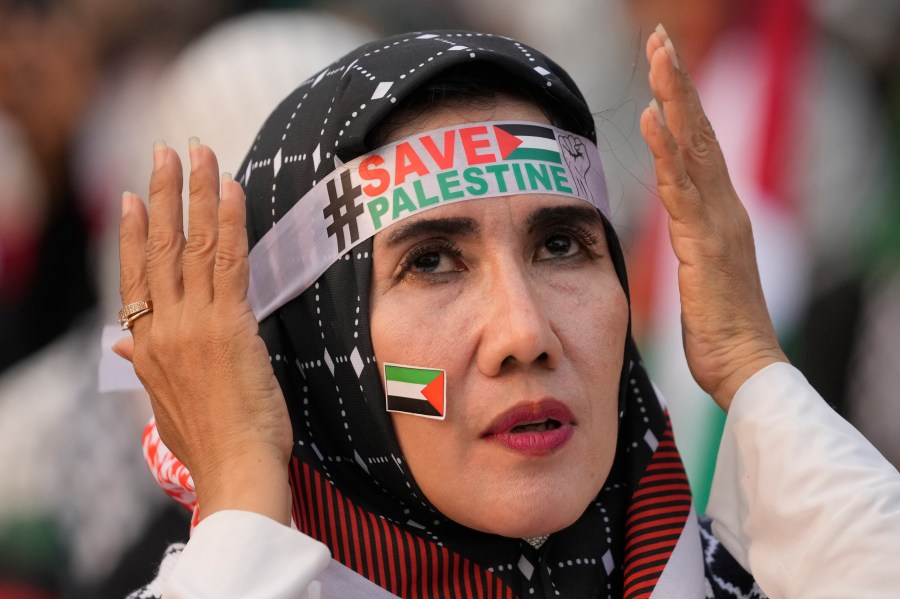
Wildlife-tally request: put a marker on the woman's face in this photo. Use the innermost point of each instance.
(517, 299)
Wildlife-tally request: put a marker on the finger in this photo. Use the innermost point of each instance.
(200, 248)
(677, 191)
(232, 269)
(685, 118)
(165, 238)
(669, 82)
(133, 284)
(124, 348)
(655, 41)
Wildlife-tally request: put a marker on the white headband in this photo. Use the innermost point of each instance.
(423, 171)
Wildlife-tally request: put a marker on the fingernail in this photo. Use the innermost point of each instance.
(670, 50)
(662, 31)
(126, 202)
(226, 178)
(159, 153)
(657, 113)
(194, 149)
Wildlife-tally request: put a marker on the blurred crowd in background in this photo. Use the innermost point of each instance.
(804, 95)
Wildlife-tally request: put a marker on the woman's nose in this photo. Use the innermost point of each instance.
(516, 325)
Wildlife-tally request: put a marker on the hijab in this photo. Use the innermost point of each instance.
(352, 487)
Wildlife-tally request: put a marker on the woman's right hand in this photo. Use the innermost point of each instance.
(217, 403)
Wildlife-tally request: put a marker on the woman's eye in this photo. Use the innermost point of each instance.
(429, 262)
(558, 245)
(437, 259)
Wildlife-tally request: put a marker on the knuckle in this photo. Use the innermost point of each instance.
(143, 361)
(709, 135)
(706, 129)
(683, 181)
(230, 269)
(698, 148)
(701, 145)
(199, 246)
(229, 260)
(159, 347)
(162, 246)
(227, 271)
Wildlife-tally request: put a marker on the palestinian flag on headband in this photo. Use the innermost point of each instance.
(527, 142)
(419, 391)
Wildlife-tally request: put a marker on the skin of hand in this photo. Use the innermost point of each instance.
(727, 332)
(217, 403)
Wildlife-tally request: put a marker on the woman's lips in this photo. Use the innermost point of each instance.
(534, 429)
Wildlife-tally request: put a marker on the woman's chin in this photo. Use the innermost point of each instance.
(524, 507)
(525, 522)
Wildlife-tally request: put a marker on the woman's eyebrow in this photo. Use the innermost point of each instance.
(556, 215)
(432, 226)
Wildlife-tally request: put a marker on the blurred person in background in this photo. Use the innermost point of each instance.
(50, 65)
(801, 124)
(868, 31)
(48, 69)
(78, 510)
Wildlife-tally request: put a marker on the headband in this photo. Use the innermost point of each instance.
(423, 171)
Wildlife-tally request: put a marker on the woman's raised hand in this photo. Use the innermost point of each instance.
(728, 334)
(217, 403)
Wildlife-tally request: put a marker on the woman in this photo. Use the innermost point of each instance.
(443, 362)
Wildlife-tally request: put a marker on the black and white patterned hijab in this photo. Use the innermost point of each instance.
(351, 485)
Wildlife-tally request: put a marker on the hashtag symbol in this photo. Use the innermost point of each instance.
(343, 210)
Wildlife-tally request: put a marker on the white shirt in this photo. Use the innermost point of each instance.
(799, 498)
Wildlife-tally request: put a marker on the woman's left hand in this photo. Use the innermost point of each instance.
(728, 334)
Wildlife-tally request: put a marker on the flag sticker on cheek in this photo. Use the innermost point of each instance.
(417, 391)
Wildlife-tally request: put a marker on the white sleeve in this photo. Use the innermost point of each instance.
(801, 499)
(243, 554)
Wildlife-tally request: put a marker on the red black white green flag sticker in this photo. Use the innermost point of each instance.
(413, 390)
(527, 142)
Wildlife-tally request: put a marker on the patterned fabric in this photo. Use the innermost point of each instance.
(352, 488)
(155, 589)
(725, 578)
(660, 505)
(171, 475)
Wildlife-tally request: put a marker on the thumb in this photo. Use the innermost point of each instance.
(124, 348)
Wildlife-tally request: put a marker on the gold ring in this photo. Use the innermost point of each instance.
(133, 311)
